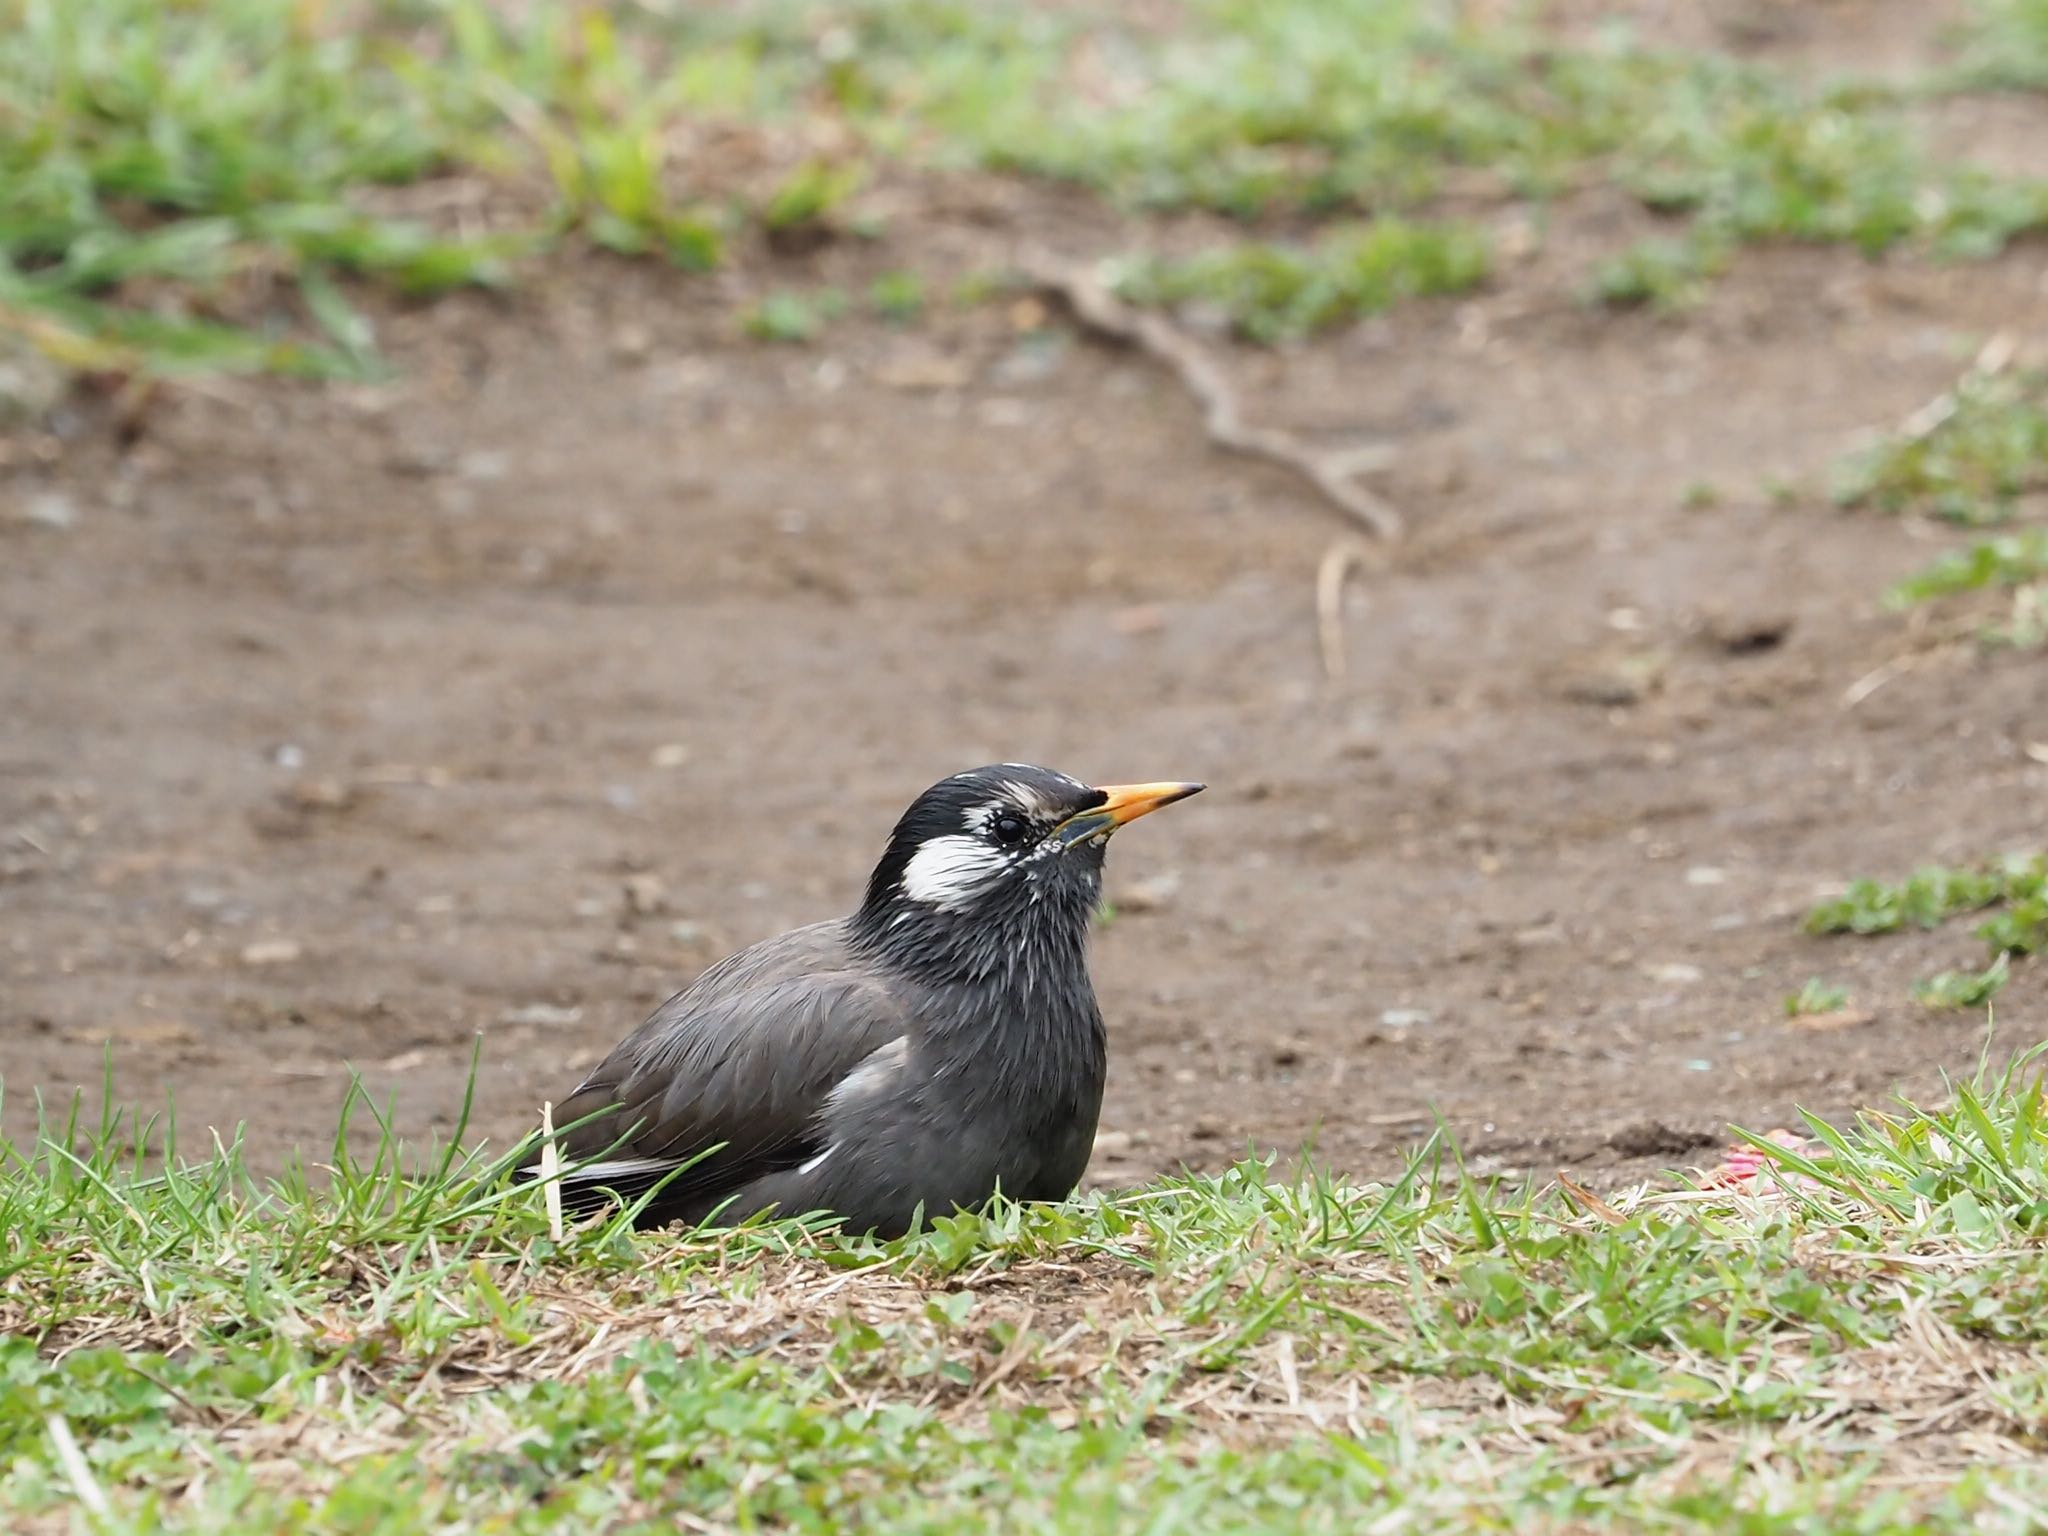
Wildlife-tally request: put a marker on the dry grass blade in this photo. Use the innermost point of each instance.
(1876, 678)
(1337, 563)
(1589, 1202)
(1012, 1357)
(1290, 1375)
(551, 1171)
(76, 1470)
(1992, 359)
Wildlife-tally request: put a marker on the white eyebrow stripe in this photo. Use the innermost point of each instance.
(1029, 800)
(1051, 773)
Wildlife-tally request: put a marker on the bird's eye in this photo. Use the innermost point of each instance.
(1009, 830)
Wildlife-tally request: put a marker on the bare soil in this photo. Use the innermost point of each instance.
(346, 725)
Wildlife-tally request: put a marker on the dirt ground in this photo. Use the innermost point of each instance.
(344, 726)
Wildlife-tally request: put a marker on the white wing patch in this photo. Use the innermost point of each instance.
(872, 1075)
(618, 1168)
(950, 871)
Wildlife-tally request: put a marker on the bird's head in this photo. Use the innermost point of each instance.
(996, 858)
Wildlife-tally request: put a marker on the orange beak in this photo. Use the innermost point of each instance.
(1122, 803)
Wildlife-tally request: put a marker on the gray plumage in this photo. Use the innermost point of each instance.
(940, 1043)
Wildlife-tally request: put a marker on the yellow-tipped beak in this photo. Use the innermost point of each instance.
(1127, 802)
(1122, 803)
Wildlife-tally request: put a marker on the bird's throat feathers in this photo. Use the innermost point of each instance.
(1028, 934)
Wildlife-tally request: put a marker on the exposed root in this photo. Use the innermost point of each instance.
(1098, 310)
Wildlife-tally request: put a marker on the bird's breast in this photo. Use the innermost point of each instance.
(1025, 1050)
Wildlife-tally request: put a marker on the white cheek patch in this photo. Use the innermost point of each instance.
(950, 871)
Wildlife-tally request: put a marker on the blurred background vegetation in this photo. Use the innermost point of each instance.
(199, 186)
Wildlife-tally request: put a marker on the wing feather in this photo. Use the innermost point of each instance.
(744, 1060)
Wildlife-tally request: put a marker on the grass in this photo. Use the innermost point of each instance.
(183, 187)
(2012, 560)
(1969, 467)
(1818, 996)
(2013, 889)
(1361, 106)
(1973, 463)
(208, 187)
(1966, 989)
(1270, 293)
(1661, 273)
(811, 197)
(898, 297)
(2017, 563)
(1929, 897)
(146, 148)
(1851, 1342)
(2006, 45)
(800, 316)
(788, 316)
(398, 1342)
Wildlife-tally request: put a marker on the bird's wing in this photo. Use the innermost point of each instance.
(743, 1060)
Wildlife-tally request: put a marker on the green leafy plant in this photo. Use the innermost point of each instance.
(564, 81)
(1275, 293)
(1663, 274)
(811, 194)
(2016, 886)
(1817, 997)
(794, 318)
(2017, 561)
(1971, 466)
(2021, 929)
(2005, 44)
(1966, 989)
(2010, 560)
(1928, 897)
(897, 296)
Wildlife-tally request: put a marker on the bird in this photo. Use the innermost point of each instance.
(941, 1043)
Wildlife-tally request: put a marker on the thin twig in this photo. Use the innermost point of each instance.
(1098, 310)
(1336, 564)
